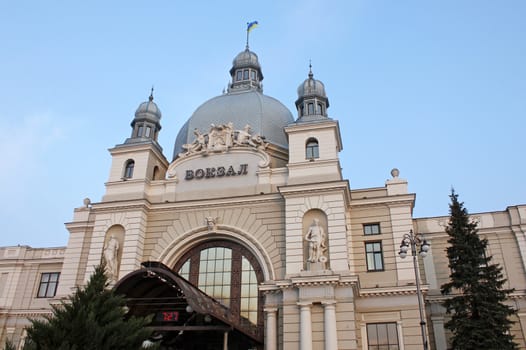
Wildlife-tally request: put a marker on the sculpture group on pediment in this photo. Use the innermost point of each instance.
(222, 137)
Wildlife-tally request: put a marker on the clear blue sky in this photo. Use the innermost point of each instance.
(434, 88)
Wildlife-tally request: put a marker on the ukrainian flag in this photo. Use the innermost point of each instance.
(251, 25)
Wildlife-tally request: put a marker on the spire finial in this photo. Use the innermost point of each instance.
(151, 95)
(310, 69)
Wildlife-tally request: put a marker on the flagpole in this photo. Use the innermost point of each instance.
(247, 35)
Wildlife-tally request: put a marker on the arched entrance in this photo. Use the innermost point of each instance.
(229, 273)
(184, 316)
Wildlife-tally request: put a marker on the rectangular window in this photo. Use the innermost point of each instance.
(245, 74)
(48, 285)
(374, 256)
(239, 75)
(371, 229)
(382, 336)
(148, 131)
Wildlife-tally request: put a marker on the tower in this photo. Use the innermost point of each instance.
(314, 138)
(139, 160)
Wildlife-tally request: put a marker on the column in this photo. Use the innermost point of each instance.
(271, 341)
(329, 325)
(225, 340)
(305, 326)
(439, 332)
(400, 334)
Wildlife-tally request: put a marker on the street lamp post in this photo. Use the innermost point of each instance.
(414, 240)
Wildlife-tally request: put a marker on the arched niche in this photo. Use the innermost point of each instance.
(315, 240)
(112, 251)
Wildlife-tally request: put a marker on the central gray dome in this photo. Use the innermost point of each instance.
(243, 104)
(266, 115)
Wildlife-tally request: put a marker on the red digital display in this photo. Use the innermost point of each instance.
(169, 316)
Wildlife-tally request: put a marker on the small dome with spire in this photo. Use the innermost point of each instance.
(148, 110)
(246, 71)
(312, 102)
(246, 59)
(147, 122)
(311, 87)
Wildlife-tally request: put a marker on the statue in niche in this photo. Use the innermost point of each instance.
(316, 238)
(111, 258)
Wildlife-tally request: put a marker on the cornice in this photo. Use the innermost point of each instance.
(79, 225)
(133, 204)
(403, 199)
(299, 190)
(26, 313)
(143, 204)
(317, 163)
(309, 126)
(390, 291)
(439, 298)
(141, 146)
(310, 280)
(315, 186)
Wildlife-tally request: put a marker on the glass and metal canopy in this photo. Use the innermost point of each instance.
(182, 312)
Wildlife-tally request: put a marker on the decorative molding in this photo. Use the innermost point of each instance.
(394, 291)
(173, 252)
(27, 313)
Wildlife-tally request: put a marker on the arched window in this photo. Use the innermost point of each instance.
(320, 109)
(310, 107)
(128, 170)
(155, 175)
(312, 150)
(227, 272)
(140, 130)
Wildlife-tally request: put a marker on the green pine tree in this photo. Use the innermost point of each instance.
(9, 346)
(480, 319)
(93, 318)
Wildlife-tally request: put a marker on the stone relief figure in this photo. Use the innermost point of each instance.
(221, 138)
(260, 140)
(211, 223)
(229, 134)
(198, 144)
(316, 238)
(111, 257)
(244, 137)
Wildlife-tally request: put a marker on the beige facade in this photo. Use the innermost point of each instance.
(312, 263)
